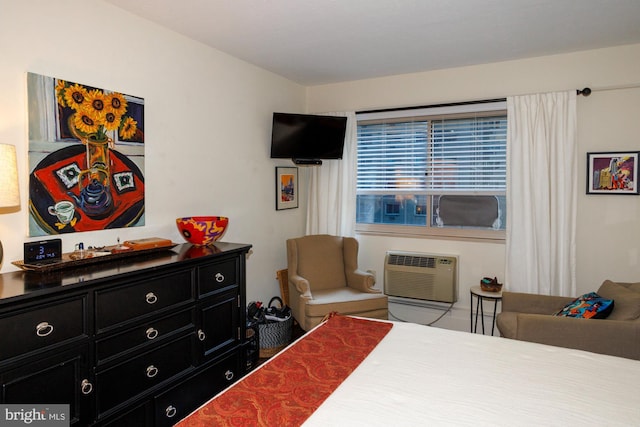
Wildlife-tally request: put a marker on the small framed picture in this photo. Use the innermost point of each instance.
(286, 188)
(613, 172)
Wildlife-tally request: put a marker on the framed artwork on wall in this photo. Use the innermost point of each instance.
(86, 157)
(614, 172)
(286, 188)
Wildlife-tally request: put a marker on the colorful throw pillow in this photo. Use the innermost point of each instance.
(587, 306)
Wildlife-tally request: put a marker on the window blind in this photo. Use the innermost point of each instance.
(461, 155)
(392, 157)
(467, 154)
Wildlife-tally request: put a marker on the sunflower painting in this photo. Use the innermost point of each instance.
(86, 157)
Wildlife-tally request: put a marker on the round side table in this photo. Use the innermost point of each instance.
(481, 295)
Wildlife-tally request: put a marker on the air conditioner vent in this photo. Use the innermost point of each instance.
(421, 276)
(412, 260)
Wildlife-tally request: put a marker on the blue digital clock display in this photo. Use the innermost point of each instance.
(46, 250)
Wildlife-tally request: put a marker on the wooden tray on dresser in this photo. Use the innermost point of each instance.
(107, 253)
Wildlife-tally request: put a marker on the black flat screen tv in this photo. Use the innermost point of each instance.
(307, 138)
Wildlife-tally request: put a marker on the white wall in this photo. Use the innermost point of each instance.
(208, 124)
(608, 226)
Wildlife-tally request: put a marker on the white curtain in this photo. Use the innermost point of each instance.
(541, 193)
(331, 195)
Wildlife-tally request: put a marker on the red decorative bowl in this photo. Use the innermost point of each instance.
(202, 230)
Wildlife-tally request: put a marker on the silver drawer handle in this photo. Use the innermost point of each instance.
(151, 333)
(219, 277)
(86, 387)
(171, 411)
(151, 298)
(43, 329)
(152, 371)
(201, 335)
(228, 375)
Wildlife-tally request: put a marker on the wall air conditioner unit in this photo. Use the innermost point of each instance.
(421, 276)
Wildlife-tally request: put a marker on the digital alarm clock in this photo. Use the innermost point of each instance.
(43, 252)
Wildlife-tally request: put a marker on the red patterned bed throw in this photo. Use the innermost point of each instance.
(288, 389)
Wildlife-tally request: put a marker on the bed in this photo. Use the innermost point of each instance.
(362, 372)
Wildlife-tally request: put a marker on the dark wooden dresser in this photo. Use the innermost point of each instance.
(141, 340)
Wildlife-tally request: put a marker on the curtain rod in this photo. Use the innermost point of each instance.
(587, 91)
(450, 104)
(584, 92)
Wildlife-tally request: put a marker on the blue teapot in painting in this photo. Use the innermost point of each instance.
(95, 194)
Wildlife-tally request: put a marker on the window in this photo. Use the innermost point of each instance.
(433, 171)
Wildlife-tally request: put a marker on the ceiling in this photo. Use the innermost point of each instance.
(315, 42)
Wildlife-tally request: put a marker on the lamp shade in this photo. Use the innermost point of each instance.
(9, 194)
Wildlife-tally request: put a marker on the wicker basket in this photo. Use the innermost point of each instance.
(274, 336)
(490, 285)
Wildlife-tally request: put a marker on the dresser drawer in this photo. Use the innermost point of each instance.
(145, 334)
(125, 380)
(40, 327)
(114, 306)
(180, 401)
(217, 276)
(138, 417)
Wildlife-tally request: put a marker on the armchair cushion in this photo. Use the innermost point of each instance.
(520, 302)
(323, 262)
(346, 301)
(627, 300)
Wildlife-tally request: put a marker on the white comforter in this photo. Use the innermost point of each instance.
(424, 376)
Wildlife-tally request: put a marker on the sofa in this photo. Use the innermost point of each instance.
(529, 317)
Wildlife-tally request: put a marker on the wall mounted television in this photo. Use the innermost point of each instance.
(307, 138)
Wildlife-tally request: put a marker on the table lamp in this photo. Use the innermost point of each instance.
(9, 192)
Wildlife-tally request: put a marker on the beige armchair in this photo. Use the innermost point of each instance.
(528, 317)
(324, 278)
